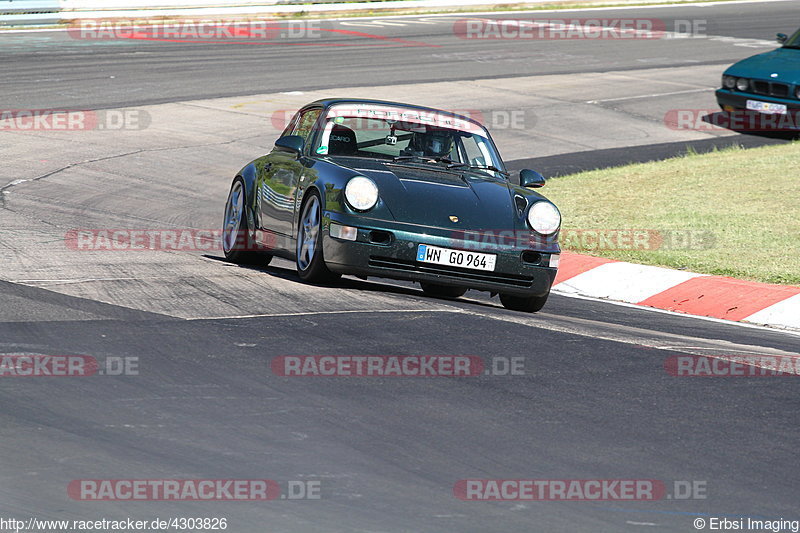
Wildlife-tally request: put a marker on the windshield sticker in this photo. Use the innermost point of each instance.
(404, 114)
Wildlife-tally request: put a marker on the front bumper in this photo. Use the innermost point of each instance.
(742, 120)
(730, 100)
(394, 256)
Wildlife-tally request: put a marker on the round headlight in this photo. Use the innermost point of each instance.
(742, 84)
(361, 193)
(729, 82)
(797, 92)
(544, 218)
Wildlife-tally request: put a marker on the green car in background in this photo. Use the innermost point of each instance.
(766, 83)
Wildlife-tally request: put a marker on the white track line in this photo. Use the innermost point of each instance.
(526, 320)
(312, 313)
(655, 95)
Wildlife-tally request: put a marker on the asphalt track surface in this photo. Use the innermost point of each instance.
(52, 70)
(594, 401)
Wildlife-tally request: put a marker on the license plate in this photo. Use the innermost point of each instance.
(457, 258)
(766, 107)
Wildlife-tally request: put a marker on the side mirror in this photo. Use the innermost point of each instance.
(781, 38)
(290, 143)
(531, 178)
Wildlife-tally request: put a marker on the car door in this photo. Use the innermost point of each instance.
(279, 175)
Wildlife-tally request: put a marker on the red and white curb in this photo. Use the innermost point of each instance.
(676, 290)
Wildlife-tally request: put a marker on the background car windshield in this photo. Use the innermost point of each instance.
(388, 139)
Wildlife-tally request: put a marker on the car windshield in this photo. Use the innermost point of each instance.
(407, 135)
(793, 41)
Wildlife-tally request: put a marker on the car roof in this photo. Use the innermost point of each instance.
(327, 102)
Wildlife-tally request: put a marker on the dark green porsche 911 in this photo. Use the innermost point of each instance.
(766, 83)
(390, 190)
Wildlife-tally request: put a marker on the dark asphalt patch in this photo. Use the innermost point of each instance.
(23, 303)
(566, 164)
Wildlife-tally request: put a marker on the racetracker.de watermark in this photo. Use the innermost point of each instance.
(208, 490)
(494, 119)
(204, 30)
(387, 366)
(585, 239)
(576, 28)
(183, 239)
(577, 490)
(720, 366)
(741, 120)
(66, 120)
(27, 366)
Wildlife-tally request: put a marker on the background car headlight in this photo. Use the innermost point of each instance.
(729, 82)
(742, 84)
(361, 193)
(544, 218)
(797, 92)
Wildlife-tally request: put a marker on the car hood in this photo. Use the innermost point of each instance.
(429, 196)
(785, 62)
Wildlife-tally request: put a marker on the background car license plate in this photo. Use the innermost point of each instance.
(766, 107)
(459, 258)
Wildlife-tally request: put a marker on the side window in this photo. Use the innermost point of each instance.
(290, 126)
(474, 151)
(305, 125)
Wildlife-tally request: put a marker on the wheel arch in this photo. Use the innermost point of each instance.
(311, 187)
(248, 175)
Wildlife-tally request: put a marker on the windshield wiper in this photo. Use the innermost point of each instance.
(493, 168)
(438, 159)
(451, 164)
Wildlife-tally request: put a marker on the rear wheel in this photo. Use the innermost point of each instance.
(237, 243)
(310, 262)
(527, 304)
(442, 291)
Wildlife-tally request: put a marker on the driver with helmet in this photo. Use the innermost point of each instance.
(433, 143)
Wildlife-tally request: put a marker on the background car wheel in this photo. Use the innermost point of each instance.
(310, 262)
(442, 291)
(237, 243)
(523, 303)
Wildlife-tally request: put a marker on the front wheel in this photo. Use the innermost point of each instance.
(527, 304)
(442, 291)
(310, 262)
(237, 244)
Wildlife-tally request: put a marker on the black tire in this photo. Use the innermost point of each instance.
(442, 291)
(527, 304)
(309, 258)
(237, 243)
